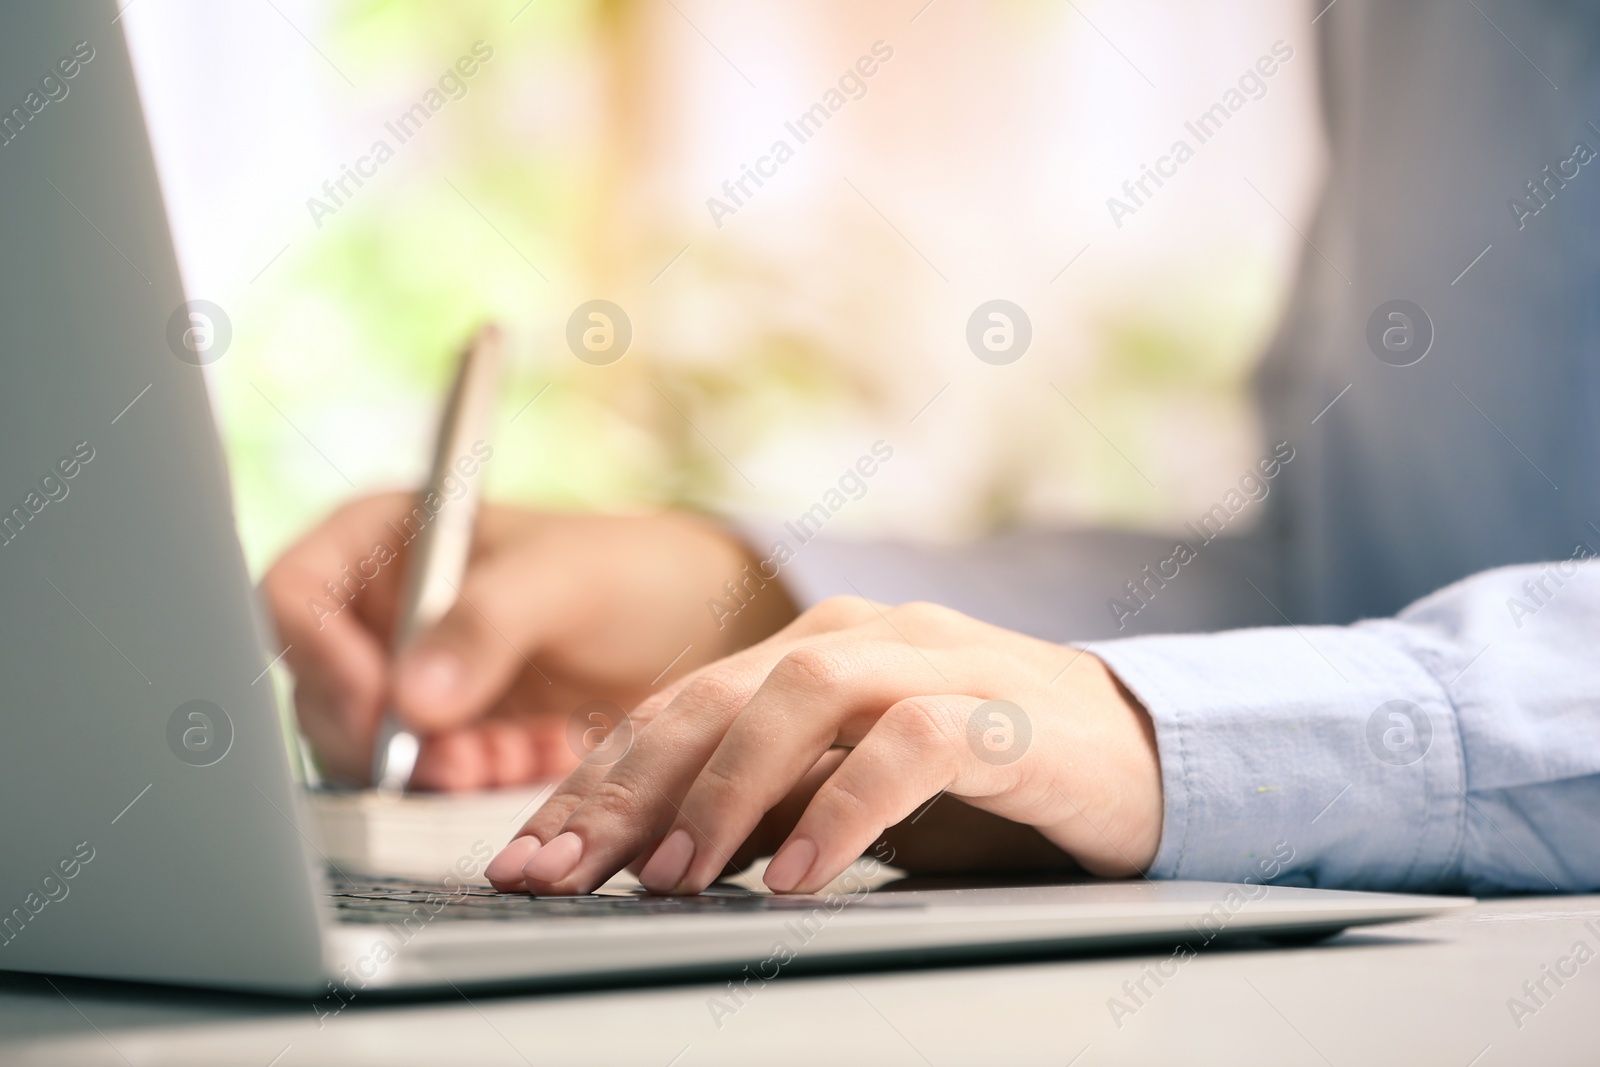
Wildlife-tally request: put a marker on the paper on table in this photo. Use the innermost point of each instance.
(420, 835)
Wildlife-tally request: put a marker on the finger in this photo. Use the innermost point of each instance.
(457, 670)
(776, 824)
(551, 819)
(504, 871)
(338, 706)
(453, 761)
(348, 565)
(530, 730)
(835, 614)
(512, 746)
(491, 754)
(547, 821)
(638, 862)
(817, 695)
(636, 800)
(919, 747)
(323, 608)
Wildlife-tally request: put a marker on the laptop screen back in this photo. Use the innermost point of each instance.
(143, 779)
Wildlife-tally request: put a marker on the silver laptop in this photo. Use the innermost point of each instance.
(152, 828)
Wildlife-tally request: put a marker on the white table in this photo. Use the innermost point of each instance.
(1431, 992)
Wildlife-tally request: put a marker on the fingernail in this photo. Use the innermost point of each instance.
(790, 865)
(431, 675)
(670, 863)
(554, 861)
(505, 870)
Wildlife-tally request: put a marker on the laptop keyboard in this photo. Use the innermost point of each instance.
(392, 900)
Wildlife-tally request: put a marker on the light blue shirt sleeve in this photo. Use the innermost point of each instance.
(1454, 747)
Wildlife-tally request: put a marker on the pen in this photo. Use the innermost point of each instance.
(439, 554)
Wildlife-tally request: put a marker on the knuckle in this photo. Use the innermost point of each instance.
(274, 584)
(545, 822)
(652, 706)
(615, 798)
(926, 614)
(927, 721)
(812, 668)
(567, 796)
(486, 600)
(549, 817)
(843, 802)
(544, 825)
(838, 611)
(286, 585)
(367, 511)
(722, 786)
(716, 689)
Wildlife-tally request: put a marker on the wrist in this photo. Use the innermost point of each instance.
(1114, 821)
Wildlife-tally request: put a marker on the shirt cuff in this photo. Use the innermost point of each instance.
(1318, 756)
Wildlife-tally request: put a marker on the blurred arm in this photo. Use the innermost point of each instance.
(1058, 585)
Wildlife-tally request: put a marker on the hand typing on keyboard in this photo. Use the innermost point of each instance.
(747, 751)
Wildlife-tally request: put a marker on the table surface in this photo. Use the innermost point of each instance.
(1441, 991)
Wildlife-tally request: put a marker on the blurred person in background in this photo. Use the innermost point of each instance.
(1451, 741)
